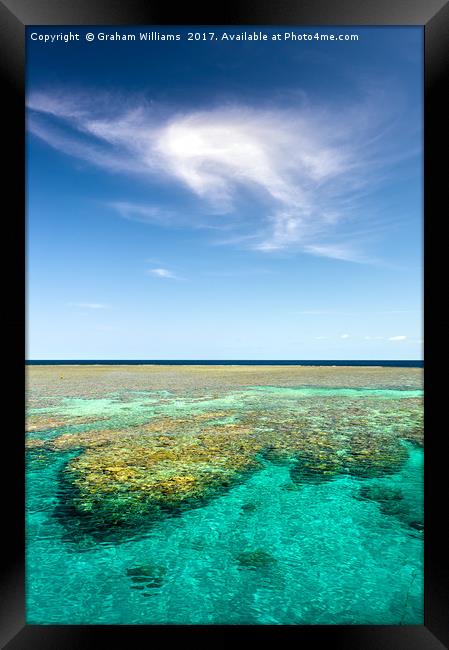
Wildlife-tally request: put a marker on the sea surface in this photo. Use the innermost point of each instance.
(240, 493)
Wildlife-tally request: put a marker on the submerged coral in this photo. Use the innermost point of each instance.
(394, 502)
(179, 449)
(256, 559)
(48, 421)
(148, 576)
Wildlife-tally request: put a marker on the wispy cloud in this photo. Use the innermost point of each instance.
(163, 273)
(372, 338)
(338, 312)
(305, 169)
(142, 213)
(344, 252)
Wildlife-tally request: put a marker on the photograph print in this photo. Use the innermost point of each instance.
(224, 380)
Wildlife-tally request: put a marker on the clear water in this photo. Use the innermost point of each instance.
(271, 547)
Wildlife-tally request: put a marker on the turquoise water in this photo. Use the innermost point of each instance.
(271, 548)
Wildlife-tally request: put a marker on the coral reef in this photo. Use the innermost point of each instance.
(47, 422)
(178, 449)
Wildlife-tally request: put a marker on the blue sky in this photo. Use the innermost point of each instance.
(225, 200)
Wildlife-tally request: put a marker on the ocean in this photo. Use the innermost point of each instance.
(224, 492)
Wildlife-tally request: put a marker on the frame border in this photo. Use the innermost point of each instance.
(15, 16)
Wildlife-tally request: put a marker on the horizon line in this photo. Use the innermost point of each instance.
(223, 361)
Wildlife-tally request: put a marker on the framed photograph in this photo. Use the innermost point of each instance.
(221, 218)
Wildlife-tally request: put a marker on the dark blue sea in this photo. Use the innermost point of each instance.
(403, 363)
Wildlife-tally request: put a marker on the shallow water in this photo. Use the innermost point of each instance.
(306, 505)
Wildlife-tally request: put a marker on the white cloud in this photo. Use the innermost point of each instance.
(163, 273)
(56, 104)
(304, 169)
(143, 213)
(397, 338)
(343, 252)
(344, 336)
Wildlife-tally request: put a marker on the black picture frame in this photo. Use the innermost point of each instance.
(15, 15)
